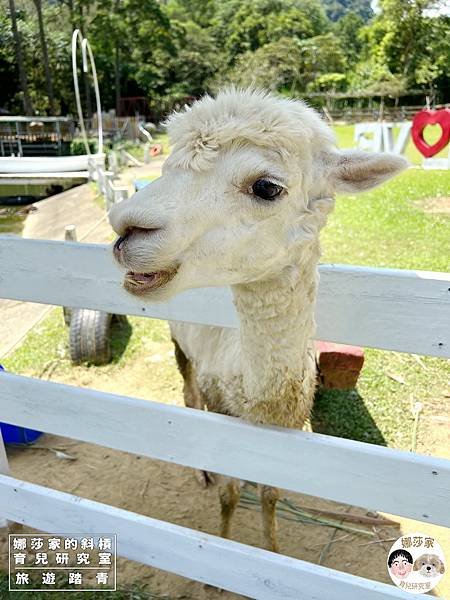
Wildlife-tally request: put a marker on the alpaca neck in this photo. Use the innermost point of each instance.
(276, 327)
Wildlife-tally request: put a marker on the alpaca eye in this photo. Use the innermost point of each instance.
(265, 189)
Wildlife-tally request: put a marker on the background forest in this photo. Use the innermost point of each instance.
(169, 50)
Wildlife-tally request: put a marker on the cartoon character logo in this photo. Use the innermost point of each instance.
(429, 565)
(416, 563)
(400, 563)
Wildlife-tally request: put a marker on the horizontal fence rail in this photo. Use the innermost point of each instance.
(343, 470)
(223, 563)
(407, 311)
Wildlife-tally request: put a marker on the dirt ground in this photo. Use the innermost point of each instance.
(439, 205)
(171, 493)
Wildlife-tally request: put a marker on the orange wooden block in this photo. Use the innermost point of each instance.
(338, 365)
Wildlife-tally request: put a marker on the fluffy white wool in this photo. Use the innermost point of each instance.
(237, 117)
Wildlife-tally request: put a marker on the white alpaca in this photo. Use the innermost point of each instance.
(241, 201)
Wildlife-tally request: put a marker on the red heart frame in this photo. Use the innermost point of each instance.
(431, 117)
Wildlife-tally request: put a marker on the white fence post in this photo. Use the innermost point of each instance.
(113, 163)
(146, 154)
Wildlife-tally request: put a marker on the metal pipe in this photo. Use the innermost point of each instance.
(85, 51)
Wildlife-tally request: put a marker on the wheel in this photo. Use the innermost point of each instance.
(89, 336)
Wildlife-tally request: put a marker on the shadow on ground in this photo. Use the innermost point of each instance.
(343, 413)
(120, 334)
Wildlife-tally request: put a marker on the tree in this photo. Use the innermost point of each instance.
(240, 27)
(48, 76)
(411, 41)
(289, 64)
(9, 81)
(200, 12)
(431, 69)
(28, 107)
(173, 49)
(274, 66)
(195, 63)
(132, 40)
(337, 9)
(348, 30)
(328, 82)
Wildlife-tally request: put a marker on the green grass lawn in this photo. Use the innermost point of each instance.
(389, 226)
(11, 220)
(345, 134)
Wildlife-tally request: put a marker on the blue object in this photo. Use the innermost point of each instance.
(20, 436)
(140, 183)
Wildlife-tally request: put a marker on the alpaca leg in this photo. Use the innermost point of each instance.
(269, 497)
(229, 494)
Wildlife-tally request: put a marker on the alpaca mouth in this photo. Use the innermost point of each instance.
(141, 283)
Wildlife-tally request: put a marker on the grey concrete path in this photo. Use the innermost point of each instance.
(73, 207)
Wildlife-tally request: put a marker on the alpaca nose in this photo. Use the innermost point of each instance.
(118, 246)
(121, 240)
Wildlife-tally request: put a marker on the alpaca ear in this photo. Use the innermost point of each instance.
(356, 171)
(442, 570)
(416, 566)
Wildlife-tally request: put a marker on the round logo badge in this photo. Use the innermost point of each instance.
(416, 563)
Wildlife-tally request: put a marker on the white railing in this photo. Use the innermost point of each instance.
(382, 308)
(400, 310)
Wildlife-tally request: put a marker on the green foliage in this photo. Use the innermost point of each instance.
(328, 82)
(240, 27)
(171, 51)
(411, 42)
(273, 66)
(291, 64)
(338, 9)
(8, 72)
(77, 146)
(348, 29)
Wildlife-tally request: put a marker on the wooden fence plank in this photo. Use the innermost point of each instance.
(366, 475)
(223, 563)
(407, 311)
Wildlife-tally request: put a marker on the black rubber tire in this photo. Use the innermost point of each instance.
(89, 336)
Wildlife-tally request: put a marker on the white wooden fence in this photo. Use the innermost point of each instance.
(395, 310)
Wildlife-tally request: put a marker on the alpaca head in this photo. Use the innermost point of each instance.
(242, 196)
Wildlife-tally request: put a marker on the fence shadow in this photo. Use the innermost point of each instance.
(343, 413)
